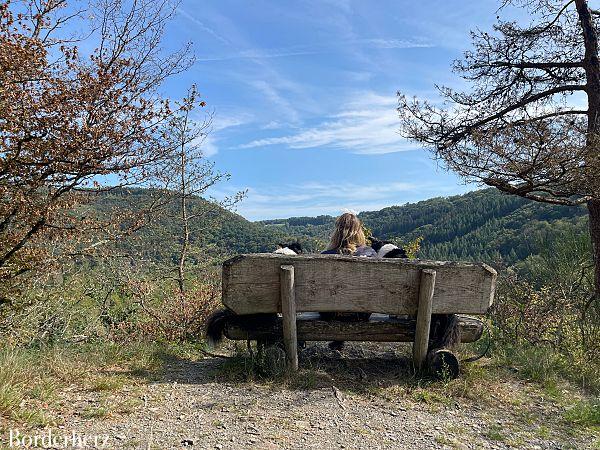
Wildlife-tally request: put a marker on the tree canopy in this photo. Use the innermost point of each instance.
(529, 121)
(69, 117)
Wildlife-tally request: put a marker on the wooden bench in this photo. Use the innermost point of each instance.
(273, 283)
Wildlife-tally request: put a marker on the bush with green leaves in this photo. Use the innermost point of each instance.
(545, 313)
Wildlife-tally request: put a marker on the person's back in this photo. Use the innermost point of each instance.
(348, 238)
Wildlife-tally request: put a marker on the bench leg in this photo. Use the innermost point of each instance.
(288, 311)
(421, 343)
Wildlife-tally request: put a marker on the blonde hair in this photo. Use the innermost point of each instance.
(348, 234)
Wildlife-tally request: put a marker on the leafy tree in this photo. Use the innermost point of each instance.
(187, 175)
(518, 127)
(68, 117)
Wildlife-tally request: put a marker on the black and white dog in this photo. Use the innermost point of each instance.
(386, 249)
(289, 249)
(445, 330)
(217, 321)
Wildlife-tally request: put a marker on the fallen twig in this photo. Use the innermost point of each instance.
(338, 396)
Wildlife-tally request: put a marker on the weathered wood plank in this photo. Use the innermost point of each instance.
(288, 312)
(426, 291)
(310, 328)
(345, 283)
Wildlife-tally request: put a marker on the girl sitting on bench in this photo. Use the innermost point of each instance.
(348, 238)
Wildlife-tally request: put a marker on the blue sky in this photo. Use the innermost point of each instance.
(304, 96)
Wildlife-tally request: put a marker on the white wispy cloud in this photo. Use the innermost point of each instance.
(202, 26)
(358, 76)
(217, 123)
(354, 191)
(317, 49)
(316, 191)
(259, 54)
(221, 122)
(366, 125)
(394, 43)
(272, 125)
(275, 94)
(209, 146)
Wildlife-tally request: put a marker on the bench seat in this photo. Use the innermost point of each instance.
(380, 328)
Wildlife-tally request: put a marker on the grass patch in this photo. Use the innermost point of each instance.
(536, 364)
(238, 368)
(268, 365)
(93, 412)
(584, 413)
(429, 397)
(128, 406)
(34, 417)
(307, 379)
(108, 384)
(444, 440)
(24, 387)
(543, 432)
(32, 378)
(549, 367)
(494, 433)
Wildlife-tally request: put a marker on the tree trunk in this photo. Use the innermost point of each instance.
(591, 62)
(186, 228)
(184, 218)
(184, 248)
(594, 211)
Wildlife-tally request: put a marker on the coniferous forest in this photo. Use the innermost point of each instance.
(484, 225)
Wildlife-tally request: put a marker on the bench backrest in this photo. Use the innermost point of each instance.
(351, 284)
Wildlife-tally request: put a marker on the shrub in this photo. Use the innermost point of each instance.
(546, 315)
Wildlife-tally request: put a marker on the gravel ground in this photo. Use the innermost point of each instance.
(348, 400)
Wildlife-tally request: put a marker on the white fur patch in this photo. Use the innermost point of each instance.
(384, 250)
(285, 251)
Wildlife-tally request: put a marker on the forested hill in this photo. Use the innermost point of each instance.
(215, 232)
(483, 225)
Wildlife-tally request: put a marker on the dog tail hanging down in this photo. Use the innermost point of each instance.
(445, 331)
(215, 326)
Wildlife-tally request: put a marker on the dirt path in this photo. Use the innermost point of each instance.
(355, 400)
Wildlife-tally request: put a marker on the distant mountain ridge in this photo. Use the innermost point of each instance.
(484, 225)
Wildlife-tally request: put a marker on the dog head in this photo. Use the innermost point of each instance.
(387, 249)
(376, 244)
(289, 249)
(296, 247)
